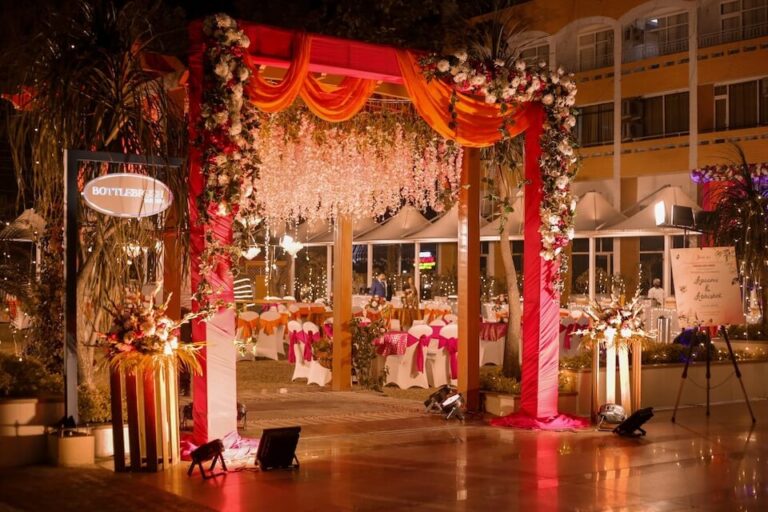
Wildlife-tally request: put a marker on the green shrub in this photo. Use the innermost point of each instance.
(491, 379)
(26, 378)
(94, 404)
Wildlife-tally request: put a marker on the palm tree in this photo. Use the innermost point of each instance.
(91, 90)
(740, 219)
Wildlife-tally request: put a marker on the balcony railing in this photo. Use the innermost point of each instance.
(600, 61)
(729, 36)
(654, 49)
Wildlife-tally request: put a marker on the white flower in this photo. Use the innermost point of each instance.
(548, 99)
(243, 73)
(570, 233)
(560, 71)
(477, 80)
(223, 179)
(460, 77)
(221, 159)
(507, 93)
(515, 82)
(570, 100)
(491, 98)
(221, 69)
(573, 205)
(547, 255)
(520, 65)
(235, 129)
(443, 65)
(548, 238)
(561, 182)
(499, 63)
(244, 41)
(224, 21)
(570, 121)
(554, 220)
(461, 55)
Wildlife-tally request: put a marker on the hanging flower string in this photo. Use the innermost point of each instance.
(227, 130)
(510, 84)
(712, 173)
(318, 172)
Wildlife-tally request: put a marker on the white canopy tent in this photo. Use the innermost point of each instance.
(642, 222)
(491, 231)
(408, 220)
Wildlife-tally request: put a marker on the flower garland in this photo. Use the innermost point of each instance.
(616, 323)
(142, 337)
(314, 171)
(227, 131)
(509, 84)
(712, 173)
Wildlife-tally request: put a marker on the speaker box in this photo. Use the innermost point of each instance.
(631, 426)
(277, 448)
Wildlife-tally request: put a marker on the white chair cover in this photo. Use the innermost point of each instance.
(318, 374)
(439, 361)
(437, 323)
(450, 318)
(269, 345)
(402, 370)
(301, 367)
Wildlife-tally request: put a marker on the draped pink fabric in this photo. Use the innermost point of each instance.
(452, 346)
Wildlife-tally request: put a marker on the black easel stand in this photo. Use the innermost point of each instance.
(210, 474)
(703, 337)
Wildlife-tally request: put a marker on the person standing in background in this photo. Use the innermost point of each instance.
(657, 292)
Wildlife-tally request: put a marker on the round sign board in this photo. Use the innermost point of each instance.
(127, 195)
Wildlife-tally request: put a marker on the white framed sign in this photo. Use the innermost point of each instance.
(707, 286)
(127, 195)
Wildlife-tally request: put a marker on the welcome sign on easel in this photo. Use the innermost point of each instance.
(707, 286)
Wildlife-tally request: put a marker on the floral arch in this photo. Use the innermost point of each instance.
(474, 104)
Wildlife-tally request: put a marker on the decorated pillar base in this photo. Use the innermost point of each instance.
(152, 407)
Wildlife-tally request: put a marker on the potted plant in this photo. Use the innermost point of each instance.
(95, 407)
(30, 399)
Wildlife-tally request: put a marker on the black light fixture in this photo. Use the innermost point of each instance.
(214, 451)
(447, 401)
(631, 426)
(277, 448)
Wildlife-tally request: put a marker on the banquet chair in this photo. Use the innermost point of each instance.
(492, 352)
(247, 334)
(269, 344)
(289, 297)
(318, 374)
(402, 370)
(450, 318)
(419, 322)
(437, 364)
(301, 365)
(437, 322)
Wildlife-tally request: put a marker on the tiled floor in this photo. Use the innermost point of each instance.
(428, 464)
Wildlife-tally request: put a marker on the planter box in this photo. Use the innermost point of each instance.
(23, 424)
(71, 451)
(104, 445)
(500, 404)
(661, 382)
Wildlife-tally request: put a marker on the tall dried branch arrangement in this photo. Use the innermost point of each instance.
(90, 91)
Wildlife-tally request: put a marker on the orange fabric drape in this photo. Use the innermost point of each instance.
(276, 97)
(248, 327)
(333, 103)
(269, 326)
(477, 122)
(337, 103)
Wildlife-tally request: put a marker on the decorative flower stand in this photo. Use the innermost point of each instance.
(151, 397)
(629, 381)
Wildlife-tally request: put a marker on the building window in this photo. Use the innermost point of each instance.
(655, 116)
(743, 19)
(535, 54)
(580, 266)
(596, 50)
(656, 36)
(595, 124)
(741, 105)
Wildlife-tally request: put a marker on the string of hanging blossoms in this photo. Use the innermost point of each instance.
(313, 170)
(510, 84)
(227, 131)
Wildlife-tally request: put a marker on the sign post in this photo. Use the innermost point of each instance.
(127, 200)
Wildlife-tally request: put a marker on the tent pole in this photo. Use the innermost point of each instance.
(667, 266)
(416, 268)
(592, 269)
(328, 270)
(469, 278)
(370, 265)
(342, 305)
